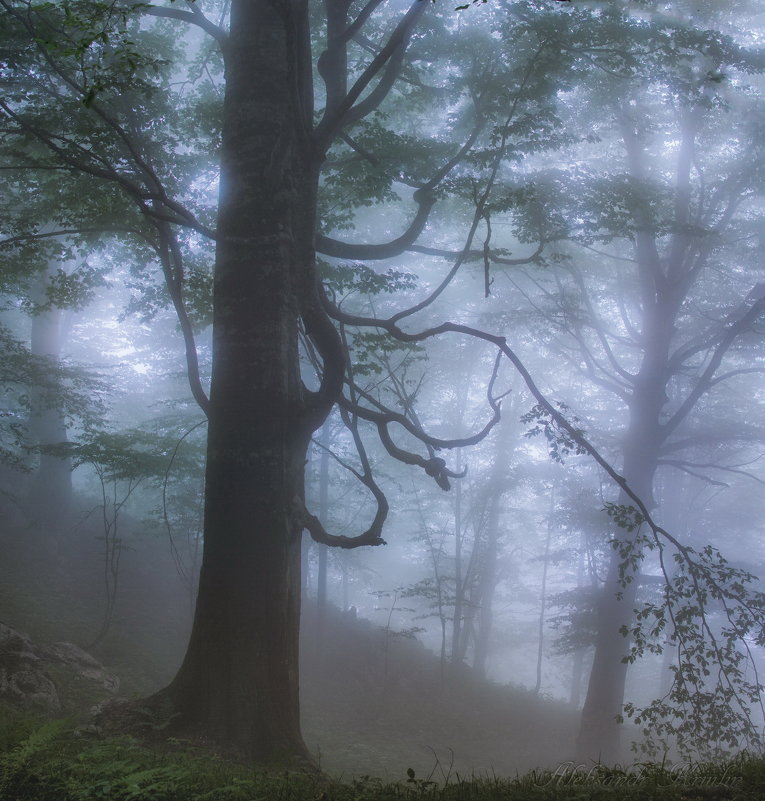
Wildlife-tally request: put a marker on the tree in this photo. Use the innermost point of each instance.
(48, 278)
(679, 196)
(95, 88)
(104, 76)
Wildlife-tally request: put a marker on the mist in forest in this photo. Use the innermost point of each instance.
(525, 524)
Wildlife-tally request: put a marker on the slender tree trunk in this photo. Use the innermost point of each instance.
(459, 589)
(499, 483)
(321, 575)
(486, 594)
(577, 671)
(577, 663)
(50, 492)
(321, 579)
(238, 683)
(543, 594)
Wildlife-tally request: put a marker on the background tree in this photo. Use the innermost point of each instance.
(680, 197)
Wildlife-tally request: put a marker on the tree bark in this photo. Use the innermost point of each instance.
(238, 683)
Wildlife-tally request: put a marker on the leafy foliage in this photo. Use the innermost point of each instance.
(362, 279)
(711, 614)
(560, 443)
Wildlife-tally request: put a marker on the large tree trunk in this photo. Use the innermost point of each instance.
(238, 683)
(664, 281)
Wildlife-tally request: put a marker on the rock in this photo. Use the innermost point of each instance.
(81, 663)
(23, 680)
(50, 678)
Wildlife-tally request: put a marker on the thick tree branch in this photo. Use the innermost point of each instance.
(324, 337)
(718, 379)
(387, 61)
(425, 198)
(555, 415)
(373, 535)
(193, 16)
(327, 246)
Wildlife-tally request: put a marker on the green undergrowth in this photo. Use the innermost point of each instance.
(52, 760)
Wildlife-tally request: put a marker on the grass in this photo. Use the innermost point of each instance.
(43, 761)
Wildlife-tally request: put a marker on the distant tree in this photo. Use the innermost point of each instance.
(54, 234)
(669, 219)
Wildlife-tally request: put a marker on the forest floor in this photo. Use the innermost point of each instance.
(375, 704)
(53, 761)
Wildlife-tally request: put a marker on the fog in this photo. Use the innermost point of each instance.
(539, 233)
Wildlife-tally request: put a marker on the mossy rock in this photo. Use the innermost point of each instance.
(55, 679)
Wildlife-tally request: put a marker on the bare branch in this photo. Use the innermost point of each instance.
(686, 466)
(740, 325)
